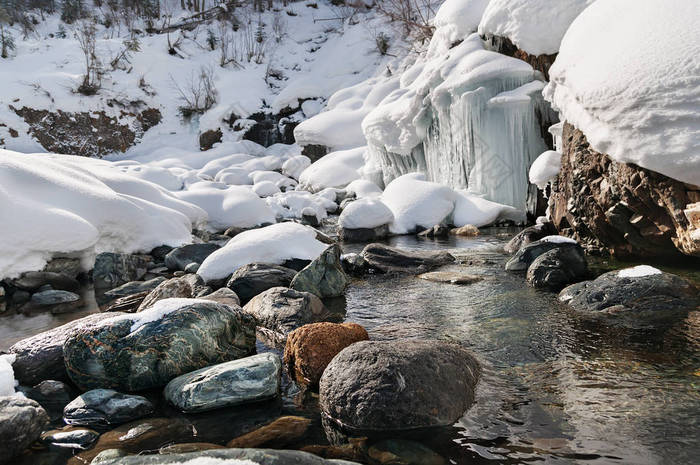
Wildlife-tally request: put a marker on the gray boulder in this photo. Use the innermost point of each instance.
(52, 395)
(530, 234)
(527, 254)
(377, 386)
(251, 280)
(186, 287)
(21, 422)
(241, 381)
(33, 280)
(100, 407)
(557, 268)
(387, 259)
(54, 302)
(353, 264)
(324, 276)
(114, 269)
(145, 350)
(363, 234)
(179, 258)
(131, 288)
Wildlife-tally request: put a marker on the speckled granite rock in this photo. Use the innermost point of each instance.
(324, 277)
(106, 407)
(21, 423)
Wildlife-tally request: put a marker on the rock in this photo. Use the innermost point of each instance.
(251, 280)
(159, 253)
(52, 395)
(391, 260)
(324, 277)
(131, 288)
(277, 435)
(282, 310)
(233, 231)
(21, 422)
(188, 447)
(53, 301)
(503, 45)
(101, 407)
(223, 296)
(450, 277)
(231, 456)
(40, 357)
(528, 235)
(20, 297)
(467, 230)
(363, 234)
(308, 216)
(70, 438)
(354, 264)
(356, 450)
(187, 287)
(192, 268)
(404, 452)
(646, 297)
(114, 269)
(297, 264)
(557, 268)
(70, 267)
(250, 379)
(527, 254)
(179, 258)
(310, 349)
(208, 138)
(128, 304)
(192, 335)
(33, 280)
(376, 386)
(108, 455)
(437, 231)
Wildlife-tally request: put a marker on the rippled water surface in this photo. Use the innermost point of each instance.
(555, 388)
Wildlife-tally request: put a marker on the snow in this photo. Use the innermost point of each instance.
(476, 211)
(416, 202)
(558, 240)
(535, 26)
(294, 166)
(232, 206)
(337, 169)
(365, 213)
(59, 204)
(156, 312)
(459, 18)
(291, 204)
(273, 244)
(265, 188)
(632, 87)
(639, 271)
(7, 375)
(361, 188)
(545, 168)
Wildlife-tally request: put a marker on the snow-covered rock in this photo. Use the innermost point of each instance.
(416, 202)
(545, 168)
(7, 375)
(337, 169)
(459, 18)
(361, 188)
(365, 213)
(476, 211)
(629, 86)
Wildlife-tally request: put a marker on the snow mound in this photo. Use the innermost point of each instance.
(273, 244)
(535, 26)
(416, 202)
(639, 271)
(365, 213)
(233, 206)
(362, 188)
(294, 166)
(292, 204)
(545, 168)
(7, 375)
(59, 204)
(265, 188)
(477, 211)
(459, 18)
(633, 87)
(337, 169)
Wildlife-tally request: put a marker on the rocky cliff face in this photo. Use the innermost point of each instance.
(622, 208)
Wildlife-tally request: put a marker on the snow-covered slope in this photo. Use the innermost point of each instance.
(633, 87)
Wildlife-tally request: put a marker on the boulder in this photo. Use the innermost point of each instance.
(530, 234)
(527, 254)
(33, 280)
(363, 234)
(557, 268)
(251, 280)
(131, 288)
(353, 264)
(277, 435)
(100, 407)
(187, 287)
(311, 348)
(40, 357)
(468, 230)
(147, 349)
(324, 277)
(66, 266)
(52, 395)
(114, 269)
(282, 310)
(242, 381)
(377, 386)
(53, 301)
(392, 260)
(70, 438)
(634, 297)
(21, 422)
(180, 257)
(223, 296)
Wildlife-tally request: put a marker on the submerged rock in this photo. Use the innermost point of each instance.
(54, 302)
(148, 349)
(391, 260)
(233, 456)
(251, 280)
(527, 254)
(310, 348)
(404, 452)
(21, 422)
(106, 407)
(179, 258)
(450, 277)
(375, 386)
(276, 435)
(636, 297)
(557, 268)
(242, 381)
(324, 277)
(33, 280)
(114, 269)
(437, 231)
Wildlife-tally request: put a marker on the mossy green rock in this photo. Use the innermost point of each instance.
(118, 354)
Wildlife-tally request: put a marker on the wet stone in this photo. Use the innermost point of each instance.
(179, 258)
(70, 438)
(54, 302)
(392, 260)
(450, 277)
(279, 434)
(21, 422)
(251, 280)
(106, 407)
(324, 276)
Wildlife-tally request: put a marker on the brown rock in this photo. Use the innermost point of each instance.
(466, 230)
(207, 139)
(311, 348)
(355, 451)
(186, 447)
(276, 435)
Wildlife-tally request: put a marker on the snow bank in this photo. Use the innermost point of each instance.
(474, 210)
(7, 375)
(51, 204)
(535, 26)
(233, 206)
(272, 244)
(633, 86)
(459, 18)
(545, 168)
(337, 169)
(639, 271)
(365, 213)
(416, 202)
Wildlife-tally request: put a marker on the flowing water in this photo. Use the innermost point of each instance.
(555, 388)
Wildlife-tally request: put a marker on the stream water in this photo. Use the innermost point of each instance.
(555, 388)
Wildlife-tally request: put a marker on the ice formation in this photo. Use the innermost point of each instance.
(633, 87)
(272, 244)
